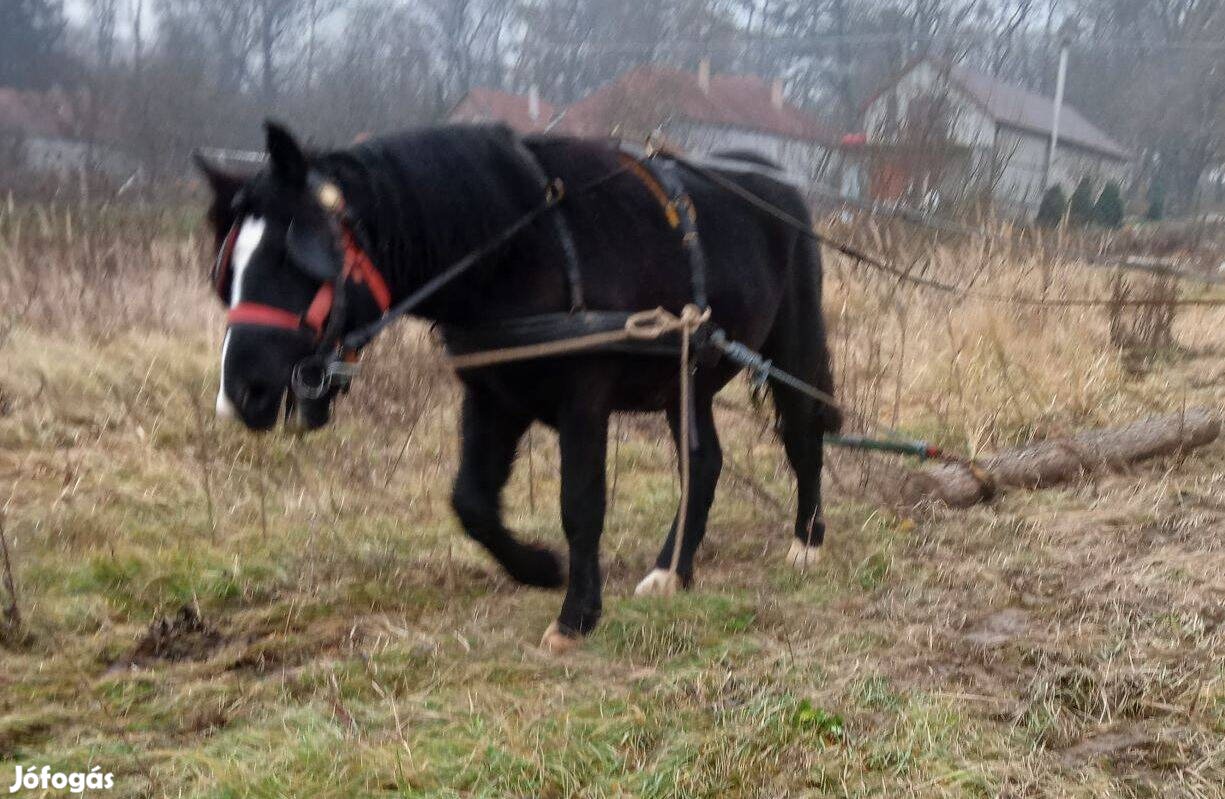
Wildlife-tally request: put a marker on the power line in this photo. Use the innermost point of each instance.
(613, 45)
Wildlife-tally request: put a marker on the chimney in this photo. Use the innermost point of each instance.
(704, 75)
(533, 103)
(776, 93)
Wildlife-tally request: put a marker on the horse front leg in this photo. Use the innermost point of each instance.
(583, 439)
(705, 464)
(491, 434)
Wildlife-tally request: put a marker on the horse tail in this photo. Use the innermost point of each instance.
(797, 342)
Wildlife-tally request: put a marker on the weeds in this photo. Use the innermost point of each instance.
(352, 642)
(1145, 331)
(10, 611)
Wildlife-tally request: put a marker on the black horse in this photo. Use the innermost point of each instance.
(424, 199)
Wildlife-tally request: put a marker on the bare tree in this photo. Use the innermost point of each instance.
(31, 42)
(275, 21)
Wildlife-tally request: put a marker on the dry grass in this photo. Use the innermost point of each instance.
(1068, 643)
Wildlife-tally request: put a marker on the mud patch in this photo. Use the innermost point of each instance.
(1111, 745)
(999, 628)
(185, 637)
(16, 733)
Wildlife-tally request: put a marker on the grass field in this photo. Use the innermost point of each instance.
(342, 638)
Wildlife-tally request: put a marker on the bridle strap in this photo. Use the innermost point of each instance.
(257, 313)
(221, 267)
(320, 309)
(360, 268)
(357, 267)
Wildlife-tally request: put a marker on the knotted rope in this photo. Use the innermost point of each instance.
(691, 319)
(642, 326)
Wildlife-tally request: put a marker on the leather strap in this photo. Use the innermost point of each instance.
(221, 267)
(360, 268)
(679, 210)
(257, 313)
(357, 267)
(561, 230)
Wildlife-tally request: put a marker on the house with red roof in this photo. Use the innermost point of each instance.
(524, 113)
(57, 132)
(941, 127)
(693, 111)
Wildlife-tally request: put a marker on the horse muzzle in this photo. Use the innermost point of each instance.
(306, 415)
(257, 407)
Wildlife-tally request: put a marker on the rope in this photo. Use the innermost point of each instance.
(807, 229)
(691, 319)
(641, 326)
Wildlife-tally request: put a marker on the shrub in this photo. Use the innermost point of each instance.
(1108, 212)
(1054, 206)
(1156, 204)
(1080, 208)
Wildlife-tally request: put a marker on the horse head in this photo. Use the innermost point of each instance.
(281, 270)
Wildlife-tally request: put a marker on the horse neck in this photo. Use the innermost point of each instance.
(376, 219)
(412, 236)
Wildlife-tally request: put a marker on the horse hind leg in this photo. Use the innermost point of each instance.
(705, 465)
(490, 437)
(797, 345)
(802, 430)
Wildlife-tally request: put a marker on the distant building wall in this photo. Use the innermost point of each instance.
(62, 156)
(1072, 163)
(807, 160)
(1010, 161)
(884, 116)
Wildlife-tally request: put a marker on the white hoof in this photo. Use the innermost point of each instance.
(658, 583)
(557, 643)
(801, 556)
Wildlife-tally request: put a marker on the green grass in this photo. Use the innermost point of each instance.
(371, 650)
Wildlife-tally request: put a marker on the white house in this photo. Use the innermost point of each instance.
(46, 132)
(703, 113)
(1000, 133)
(1212, 188)
(697, 112)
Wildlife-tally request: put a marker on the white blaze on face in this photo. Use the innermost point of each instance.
(245, 244)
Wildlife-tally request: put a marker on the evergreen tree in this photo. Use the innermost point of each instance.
(1054, 206)
(1109, 209)
(1156, 203)
(1080, 209)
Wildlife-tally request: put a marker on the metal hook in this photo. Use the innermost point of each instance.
(333, 371)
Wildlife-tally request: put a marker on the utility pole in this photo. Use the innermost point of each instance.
(1059, 86)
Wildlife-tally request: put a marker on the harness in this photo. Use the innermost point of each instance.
(329, 299)
(659, 176)
(579, 330)
(334, 362)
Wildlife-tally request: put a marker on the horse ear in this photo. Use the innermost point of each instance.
(288, 160)
(312, 248)
(224, 183)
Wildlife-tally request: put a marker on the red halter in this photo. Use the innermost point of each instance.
(357, 267)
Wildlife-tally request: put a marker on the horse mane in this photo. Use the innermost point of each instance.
(425, 197)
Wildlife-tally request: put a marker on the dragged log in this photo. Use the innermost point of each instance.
(1061, 460)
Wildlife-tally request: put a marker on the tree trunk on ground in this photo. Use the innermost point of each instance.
(1062, 460)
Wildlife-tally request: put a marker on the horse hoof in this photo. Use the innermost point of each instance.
(801, 556)
(658, 583)
(557, 643)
